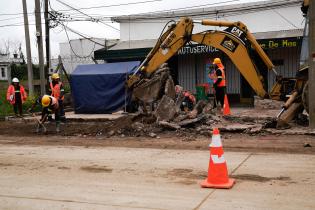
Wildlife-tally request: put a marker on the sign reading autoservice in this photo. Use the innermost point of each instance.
(197, 49)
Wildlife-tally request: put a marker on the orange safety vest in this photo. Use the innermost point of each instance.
(55, 90)
(223, 81)
(11, 92)
(190, 96)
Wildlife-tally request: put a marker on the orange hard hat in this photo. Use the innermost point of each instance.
(46, 100)
(216, 61)
(55, 76)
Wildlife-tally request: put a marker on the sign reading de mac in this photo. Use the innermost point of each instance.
(197, 49)
(280, 43)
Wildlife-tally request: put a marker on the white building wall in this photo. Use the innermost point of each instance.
(259, 21)
(80, 52)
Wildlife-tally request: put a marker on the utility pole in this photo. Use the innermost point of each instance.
(311, 71)
(28, 51)
(46, 15)
(40, 46)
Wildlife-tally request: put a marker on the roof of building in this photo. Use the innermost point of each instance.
(134, 44)
(279, 34)
(6, 59)
(210, 11)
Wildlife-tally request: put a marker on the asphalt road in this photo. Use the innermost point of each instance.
(70, 177)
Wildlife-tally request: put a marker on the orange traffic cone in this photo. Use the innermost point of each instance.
(226, 106)
(217, 172)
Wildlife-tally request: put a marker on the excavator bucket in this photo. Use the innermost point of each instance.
(149, 90)
(152, 89)
(289, 115)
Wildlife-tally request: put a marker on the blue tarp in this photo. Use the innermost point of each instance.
(100, 88)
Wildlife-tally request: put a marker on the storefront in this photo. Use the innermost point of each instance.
(190, 64)
(280, 40)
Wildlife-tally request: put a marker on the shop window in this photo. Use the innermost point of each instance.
(3, 73)
(278, 62)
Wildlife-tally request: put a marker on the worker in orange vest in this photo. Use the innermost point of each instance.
(220, 82)
(58, 92)
(188, 102)
(16, 95)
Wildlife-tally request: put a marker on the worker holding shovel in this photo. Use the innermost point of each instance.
(49, 105)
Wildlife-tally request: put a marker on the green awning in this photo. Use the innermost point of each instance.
(103, 54)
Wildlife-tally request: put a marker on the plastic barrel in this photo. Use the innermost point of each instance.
(201, 93)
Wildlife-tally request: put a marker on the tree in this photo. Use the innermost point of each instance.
(8, 47)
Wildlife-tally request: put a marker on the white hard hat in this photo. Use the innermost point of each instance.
(15, 79)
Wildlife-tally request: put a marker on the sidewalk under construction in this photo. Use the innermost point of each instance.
(253, 121)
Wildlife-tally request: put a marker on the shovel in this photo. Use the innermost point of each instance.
(40, 124)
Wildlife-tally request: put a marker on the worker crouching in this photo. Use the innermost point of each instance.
(188, 102)
(50, 106)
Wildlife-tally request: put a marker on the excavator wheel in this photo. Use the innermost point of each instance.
(305, 97)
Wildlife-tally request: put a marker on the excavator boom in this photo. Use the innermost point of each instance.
(235, 41)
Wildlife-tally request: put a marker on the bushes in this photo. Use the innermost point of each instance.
(6, 108)
(20, 71)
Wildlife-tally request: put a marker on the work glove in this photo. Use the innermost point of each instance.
(11, 97)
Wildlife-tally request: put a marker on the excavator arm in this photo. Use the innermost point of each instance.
(167, 46)
(237, 52)
(235, 42)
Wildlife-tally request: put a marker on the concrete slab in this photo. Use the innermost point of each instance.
(71, 116)
(254, 113)
(95, 117)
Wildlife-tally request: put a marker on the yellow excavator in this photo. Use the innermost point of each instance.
(236, 41)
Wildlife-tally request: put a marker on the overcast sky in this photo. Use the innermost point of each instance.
(10, 16)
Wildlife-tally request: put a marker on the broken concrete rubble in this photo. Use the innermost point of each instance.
(152, 135)
(267, 103)
(292, 131)
(169, 125)
(165, 109)
(191, 121)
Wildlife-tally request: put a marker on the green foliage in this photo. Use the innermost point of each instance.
(6, 108)
(20, 71)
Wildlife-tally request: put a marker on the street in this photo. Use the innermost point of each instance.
(78, 177)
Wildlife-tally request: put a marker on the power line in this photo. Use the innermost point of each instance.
(190, 7)
(11, 18)
(284, 18)
(234, 11)
(79, 33)
(151, 20)
(15, 24)
(87, 15)
(73, 49)
(87, 8)
(112, 5)
(159, 11)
